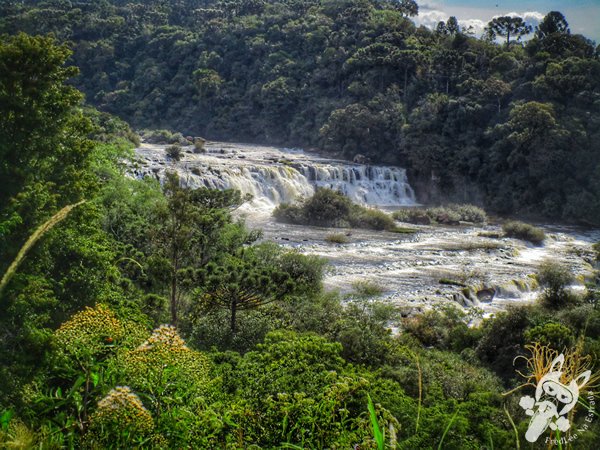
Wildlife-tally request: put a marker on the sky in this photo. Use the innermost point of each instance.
(583, 15)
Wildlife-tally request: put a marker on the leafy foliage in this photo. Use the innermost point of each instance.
(354, 76)
(329, 208)
(524, 231)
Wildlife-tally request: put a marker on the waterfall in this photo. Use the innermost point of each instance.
(273, 176)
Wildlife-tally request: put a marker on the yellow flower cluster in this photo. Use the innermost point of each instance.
(89, 332)
(165, 352)
(164, 335)
(120, 413)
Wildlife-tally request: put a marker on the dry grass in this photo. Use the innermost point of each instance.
(471, 246)
(337, 238)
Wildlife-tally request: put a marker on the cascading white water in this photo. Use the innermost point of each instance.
(273, 176)
(407, 266)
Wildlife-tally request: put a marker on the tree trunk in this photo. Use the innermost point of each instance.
(233, 312)
(173, 293)
(173, 299)
(405, 84)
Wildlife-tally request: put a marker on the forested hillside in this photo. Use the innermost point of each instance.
(510, 124)
(135, 314)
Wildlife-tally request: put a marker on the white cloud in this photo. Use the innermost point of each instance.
(431, 17)
(474, 25)
(532, 18)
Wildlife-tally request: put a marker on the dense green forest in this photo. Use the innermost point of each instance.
(507, 124)
(257, 354)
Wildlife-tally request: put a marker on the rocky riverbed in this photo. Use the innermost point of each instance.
(468, 265)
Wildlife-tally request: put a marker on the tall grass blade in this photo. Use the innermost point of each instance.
(512, 422)
(36, 236)
(447, 429)
(420, 393)
(559, 443)
(376, 429)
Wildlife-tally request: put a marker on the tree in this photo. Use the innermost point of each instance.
(553, 23)
(555, 279)
(407, 7)
(194, 227)
(244, 281)
(496, 89)
(507, 26)
(39, 125)
(452, 26)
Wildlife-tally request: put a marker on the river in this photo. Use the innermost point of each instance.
(408, 267)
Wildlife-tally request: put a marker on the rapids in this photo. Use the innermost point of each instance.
(408, 267)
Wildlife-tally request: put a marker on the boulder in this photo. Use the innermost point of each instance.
(360, 159)
(486, 295)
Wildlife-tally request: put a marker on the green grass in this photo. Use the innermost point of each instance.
(402, 230)
(367, 289)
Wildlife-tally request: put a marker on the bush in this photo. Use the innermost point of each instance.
(521, 230)
(287, 213)
(372, 219)
(199, 145)
(469, 213)
(163, 137)
(366, 289)
(174, 152)
(412, 215)
(120, 421)
(447, 215)
(552, 334)
(555, 278)
(337, 238)
(328, 208)
(444, 216)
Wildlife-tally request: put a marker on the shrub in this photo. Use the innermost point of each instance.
(555, 278)
(89, 334)
(174, 152)
(412, 215)
(469, 213)
(444, 215)
(287, 213)
(297, 389)
(366, 289)
(120, 421)
(164, 366)
(199, 145)
(337, 238)
(445, 327)
(329, 208)
(163, 137)
(552, 334)
(447, 215)
(521, 230)
(372, 219)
